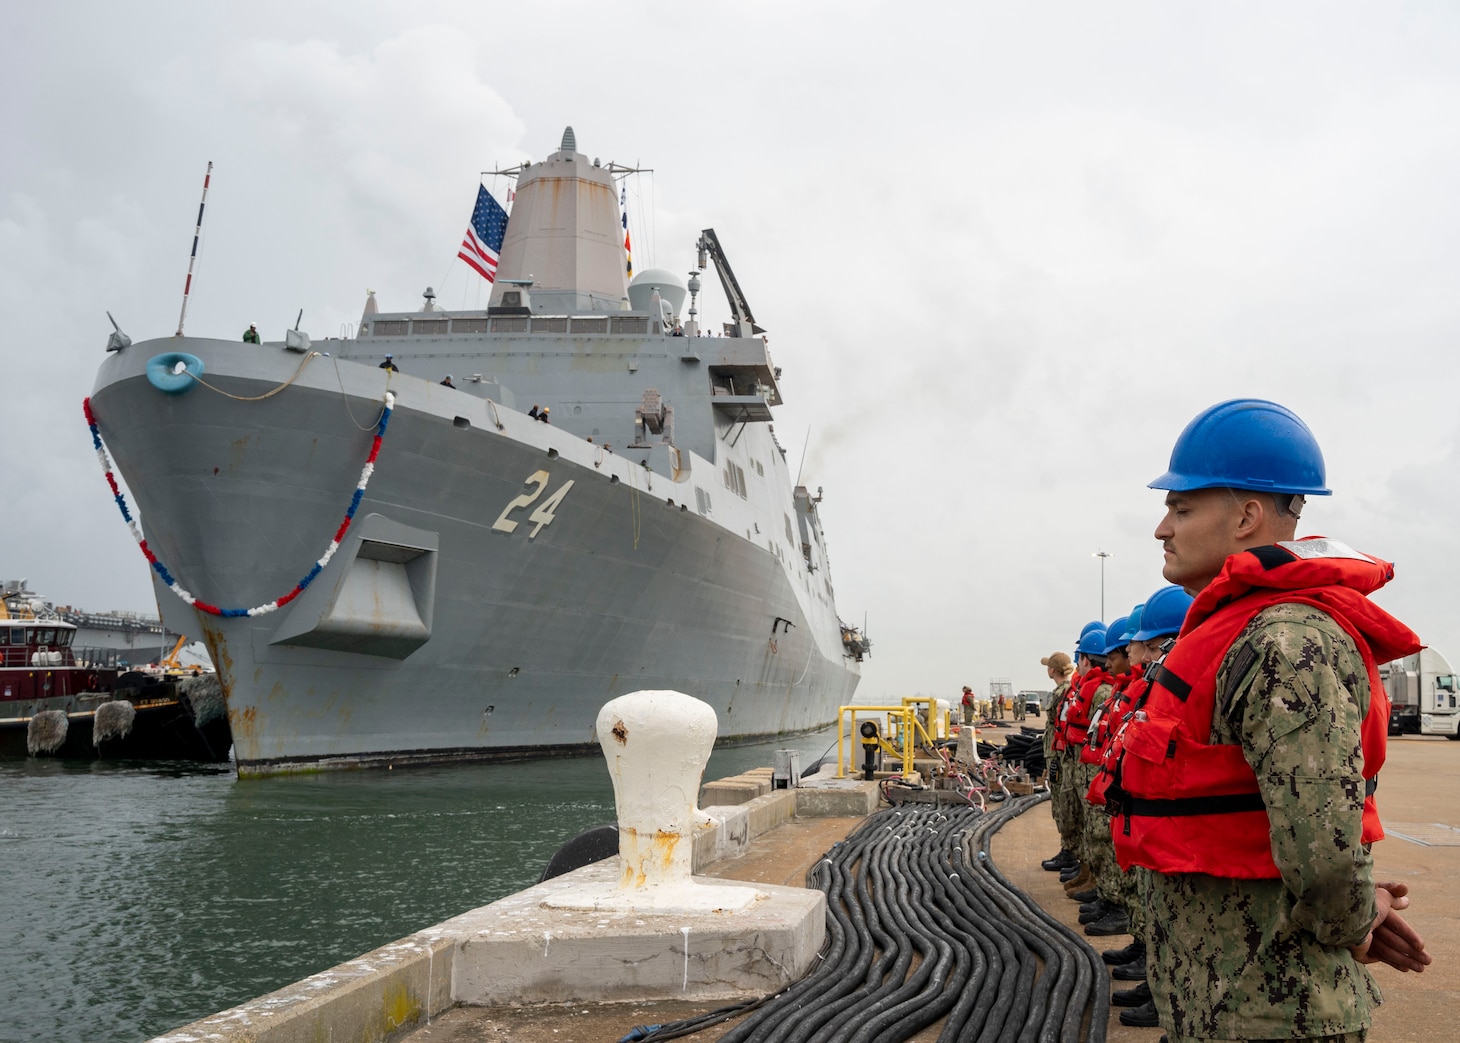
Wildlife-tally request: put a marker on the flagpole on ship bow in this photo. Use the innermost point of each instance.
(197, 232)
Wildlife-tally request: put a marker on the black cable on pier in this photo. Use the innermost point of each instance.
(922, 927)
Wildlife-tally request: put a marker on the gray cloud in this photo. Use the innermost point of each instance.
(1003, 255)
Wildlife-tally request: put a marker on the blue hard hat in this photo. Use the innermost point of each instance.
(1164, 613)
(1133, 623)
(1115, 635)
(1092, 643)
(1246, 443)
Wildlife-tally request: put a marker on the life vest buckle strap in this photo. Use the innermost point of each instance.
(1272, 556)
(1181, 807)
(1161, 674)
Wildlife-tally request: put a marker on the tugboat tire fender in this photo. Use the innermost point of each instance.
(164, 374)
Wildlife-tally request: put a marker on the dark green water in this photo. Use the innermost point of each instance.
(140, 898)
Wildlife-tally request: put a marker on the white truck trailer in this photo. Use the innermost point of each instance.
(1424, 695)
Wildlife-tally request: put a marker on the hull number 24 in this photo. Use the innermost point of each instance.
(543, 515)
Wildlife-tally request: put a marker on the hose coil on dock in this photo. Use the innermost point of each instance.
(922, 927)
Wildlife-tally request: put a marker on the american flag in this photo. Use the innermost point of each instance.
(483, 240)
(628, 247)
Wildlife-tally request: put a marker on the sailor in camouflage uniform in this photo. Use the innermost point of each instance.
(1104, 912)
(1160, 620)
(1071, 727)
(1246, 781)
(1061, 670)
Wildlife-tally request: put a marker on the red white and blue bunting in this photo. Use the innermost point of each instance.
(261, 610)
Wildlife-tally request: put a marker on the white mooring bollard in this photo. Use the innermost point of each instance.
(657, 744)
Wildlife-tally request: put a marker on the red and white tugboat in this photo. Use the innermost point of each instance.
(57, 700)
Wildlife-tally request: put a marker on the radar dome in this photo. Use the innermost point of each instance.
(670, 287)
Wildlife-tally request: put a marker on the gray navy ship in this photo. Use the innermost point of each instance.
(599, 505)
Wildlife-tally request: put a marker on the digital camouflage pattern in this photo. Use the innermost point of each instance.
(1096, 849)
(1067, 800)
(1132, 896)
(1096, 846)
(1054, 709)
(1269, 959)
(1062, 803)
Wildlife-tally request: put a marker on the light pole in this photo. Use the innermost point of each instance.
(1102, 555)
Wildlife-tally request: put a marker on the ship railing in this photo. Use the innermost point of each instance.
(626, 325)
(100, 658)
(43, 657)
(127, 622)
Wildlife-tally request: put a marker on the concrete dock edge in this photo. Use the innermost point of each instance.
(402, 985)
(370, 998)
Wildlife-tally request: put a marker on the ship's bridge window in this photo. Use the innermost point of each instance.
(17, 635)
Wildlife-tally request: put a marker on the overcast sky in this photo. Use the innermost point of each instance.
(1004, 252)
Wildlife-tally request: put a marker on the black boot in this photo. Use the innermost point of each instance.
(1069, 873)
(1086, 896)
(1063, 860)
(1115, 957)
(1114, 922)
(1131, 997)
(1099, 909)
(1133, 971)
(1143, 1016)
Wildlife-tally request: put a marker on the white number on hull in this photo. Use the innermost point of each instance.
(543, 515)
(539, 480)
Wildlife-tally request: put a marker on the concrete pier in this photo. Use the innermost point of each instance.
(410, 990)
(524, 950)
(506, 954)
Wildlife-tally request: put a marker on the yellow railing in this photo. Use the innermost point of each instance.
(938, 724)
(898, 739)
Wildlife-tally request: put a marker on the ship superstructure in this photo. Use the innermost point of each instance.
(502, 575)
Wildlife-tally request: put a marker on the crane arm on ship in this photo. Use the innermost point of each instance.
(709, 245)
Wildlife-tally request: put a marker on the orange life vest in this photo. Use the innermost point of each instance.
(1075, 716)
(1063, 692)
(1104, 719)
(1187, 805)
(1133, 699)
